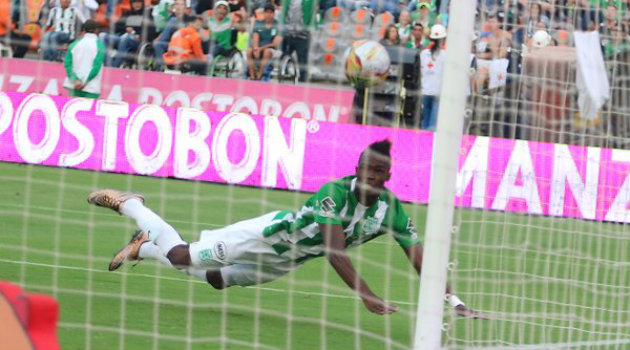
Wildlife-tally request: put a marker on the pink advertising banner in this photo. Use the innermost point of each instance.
(210, 94)
(298, 154)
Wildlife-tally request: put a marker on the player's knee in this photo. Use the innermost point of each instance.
(179, 255)
(215, 279)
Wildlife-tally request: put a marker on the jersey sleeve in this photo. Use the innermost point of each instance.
(256, 28)
(329, 201)
(404, 230)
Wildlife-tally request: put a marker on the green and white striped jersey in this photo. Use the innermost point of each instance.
(298, 236)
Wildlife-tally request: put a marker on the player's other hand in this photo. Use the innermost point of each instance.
(378, 305)
(463, 311)
(78, 84)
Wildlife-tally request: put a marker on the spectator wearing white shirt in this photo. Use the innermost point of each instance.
(85, 6)
(63, 20)
(84, 63)
(404, 26)
(432, 66)
(534, 17)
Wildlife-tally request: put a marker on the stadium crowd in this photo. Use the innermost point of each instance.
(194, 35)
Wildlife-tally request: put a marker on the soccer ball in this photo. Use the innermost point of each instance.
(366, 63)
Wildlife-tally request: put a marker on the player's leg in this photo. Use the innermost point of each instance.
(266, 56)
(154, 227)
(251, 63)
(140, 248)
(149, 250)
(247, 274)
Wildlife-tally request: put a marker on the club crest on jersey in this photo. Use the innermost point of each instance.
(370, 225)
(205, 255)
(327, 207)
(220, 250)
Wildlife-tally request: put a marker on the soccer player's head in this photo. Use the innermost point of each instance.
(374, 167)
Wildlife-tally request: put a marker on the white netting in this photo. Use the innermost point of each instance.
(551, 283)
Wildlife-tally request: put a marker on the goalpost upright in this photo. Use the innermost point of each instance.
(446, 148)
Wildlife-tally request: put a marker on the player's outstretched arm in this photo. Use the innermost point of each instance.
(334, 239)
(414, 253)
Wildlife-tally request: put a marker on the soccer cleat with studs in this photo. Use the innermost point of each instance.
(130, 251)
(111, 199)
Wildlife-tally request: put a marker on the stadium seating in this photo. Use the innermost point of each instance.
(383, 19)
(359, 31)
(335, 14)
(562, 37)
(380, 24)
(361, 16)
(332, 29)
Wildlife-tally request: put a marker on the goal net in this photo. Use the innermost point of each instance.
(539, 244)
(545, 245)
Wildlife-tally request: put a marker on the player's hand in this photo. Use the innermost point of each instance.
(378, 305)
(463, 311)
(78, 85)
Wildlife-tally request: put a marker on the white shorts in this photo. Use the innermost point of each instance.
(484, 64)
(244, 256)
(275, 53)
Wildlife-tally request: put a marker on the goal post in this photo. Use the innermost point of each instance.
(445, 162)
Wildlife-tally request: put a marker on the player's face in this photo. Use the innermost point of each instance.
(372, 173)
(64, 3)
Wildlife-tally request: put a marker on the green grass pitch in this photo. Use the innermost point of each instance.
(524, 271)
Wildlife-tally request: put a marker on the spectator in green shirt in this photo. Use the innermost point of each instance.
(424, 15)
(266, 40)
(618, 45)
(416, 38)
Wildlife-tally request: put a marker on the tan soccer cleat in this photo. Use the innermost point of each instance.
(130, 251)
(111, 199)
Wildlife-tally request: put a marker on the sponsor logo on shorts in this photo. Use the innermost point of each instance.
(205, 255)
(220, 250)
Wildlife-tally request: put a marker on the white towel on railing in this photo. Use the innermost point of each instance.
(591, 78)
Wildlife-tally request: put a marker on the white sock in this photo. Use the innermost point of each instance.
(454, 300)
(198, 273)
(149, 250)
(159, 231)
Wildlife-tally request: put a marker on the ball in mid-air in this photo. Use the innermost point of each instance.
(367, 63)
